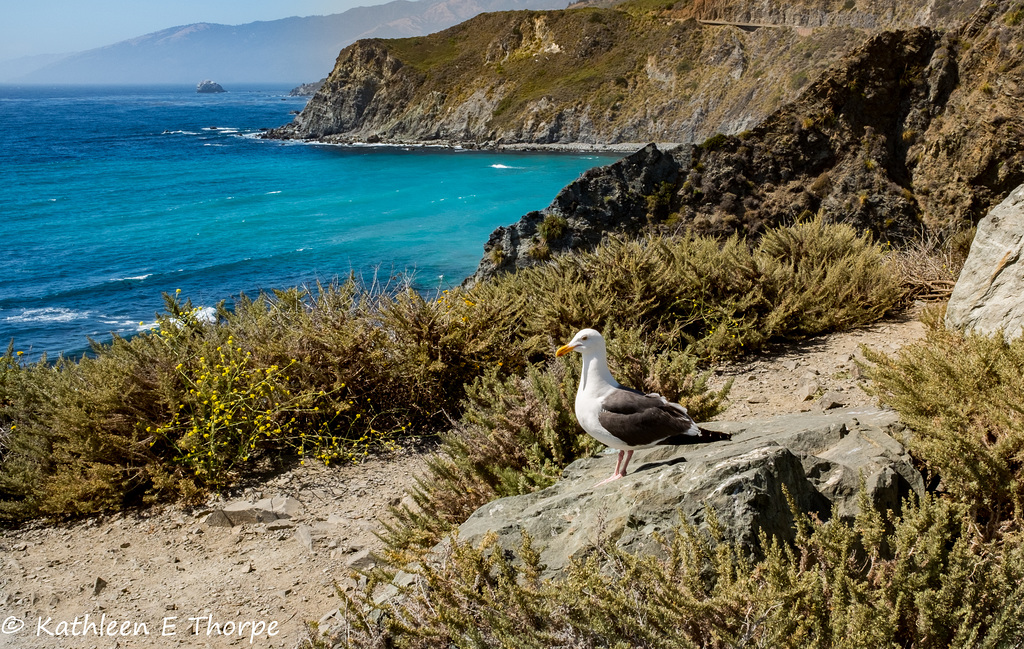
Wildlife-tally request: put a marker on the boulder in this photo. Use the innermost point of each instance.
(987, 296)
(820, 459)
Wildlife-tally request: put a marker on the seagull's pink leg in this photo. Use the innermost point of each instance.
(616, 475)
(622, 472)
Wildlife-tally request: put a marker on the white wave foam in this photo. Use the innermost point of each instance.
(501, 166)
(274, 192)
(206, 314)
(47, 314)
(137, 278)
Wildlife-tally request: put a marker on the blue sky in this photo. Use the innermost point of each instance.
(30, 27)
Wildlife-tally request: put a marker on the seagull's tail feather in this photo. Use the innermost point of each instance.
(703, 437)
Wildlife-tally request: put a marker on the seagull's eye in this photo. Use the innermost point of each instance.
(583, 338)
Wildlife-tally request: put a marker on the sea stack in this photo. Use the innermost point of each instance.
(209, 87)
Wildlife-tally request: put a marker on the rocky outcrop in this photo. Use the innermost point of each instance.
(307, 89)
(989, 295)
(596, 76)
(675, 73)
(618, 198)
(915, 130)
(209, 87)
(819, 459)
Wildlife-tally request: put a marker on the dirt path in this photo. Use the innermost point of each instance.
(167, 578)
(814, 374)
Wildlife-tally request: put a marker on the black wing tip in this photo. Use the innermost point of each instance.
(705, 437)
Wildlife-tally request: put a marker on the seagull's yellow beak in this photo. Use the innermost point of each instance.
(564, 349)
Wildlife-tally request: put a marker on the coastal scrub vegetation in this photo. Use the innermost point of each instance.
(918, 579)
(331, 373)
(946, 571)
(963, 398)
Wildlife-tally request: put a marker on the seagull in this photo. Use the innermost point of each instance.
(623, 418)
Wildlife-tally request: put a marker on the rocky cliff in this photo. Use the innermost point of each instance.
(915, 130)
(637, 72)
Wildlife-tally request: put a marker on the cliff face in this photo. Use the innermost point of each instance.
(915, 130)
(628, 74)
(615, 198)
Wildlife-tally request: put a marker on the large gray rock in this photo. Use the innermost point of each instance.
(820, 459)
(989, 295)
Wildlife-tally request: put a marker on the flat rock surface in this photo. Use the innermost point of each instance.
(820, 459)
(167, 562)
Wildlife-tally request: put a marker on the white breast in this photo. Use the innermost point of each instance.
(588, 410)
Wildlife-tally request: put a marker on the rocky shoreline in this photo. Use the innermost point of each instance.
(455, 145)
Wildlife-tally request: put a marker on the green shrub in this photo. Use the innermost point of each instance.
(539, 251)
(720, 298)
(963, 399)
(553, 227)
(715, 142)
(659, 203)
(193, 405)
(927, 582)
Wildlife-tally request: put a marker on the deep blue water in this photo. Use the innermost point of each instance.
(111, 196)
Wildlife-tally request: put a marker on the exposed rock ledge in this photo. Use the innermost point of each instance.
(602, 201)
(819, 458)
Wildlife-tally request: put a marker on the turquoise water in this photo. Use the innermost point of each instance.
(112, 196)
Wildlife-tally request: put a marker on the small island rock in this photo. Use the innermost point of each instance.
(207, 86)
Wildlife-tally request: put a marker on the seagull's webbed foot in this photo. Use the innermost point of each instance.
(611, 478)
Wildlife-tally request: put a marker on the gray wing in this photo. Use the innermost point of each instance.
(641, 420)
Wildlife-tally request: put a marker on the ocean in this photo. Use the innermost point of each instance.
(110, 197)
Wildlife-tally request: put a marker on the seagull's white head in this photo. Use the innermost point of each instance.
(585, 342)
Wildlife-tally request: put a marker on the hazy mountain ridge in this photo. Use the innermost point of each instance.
(290, 50)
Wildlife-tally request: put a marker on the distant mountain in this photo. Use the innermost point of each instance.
(290, 50)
